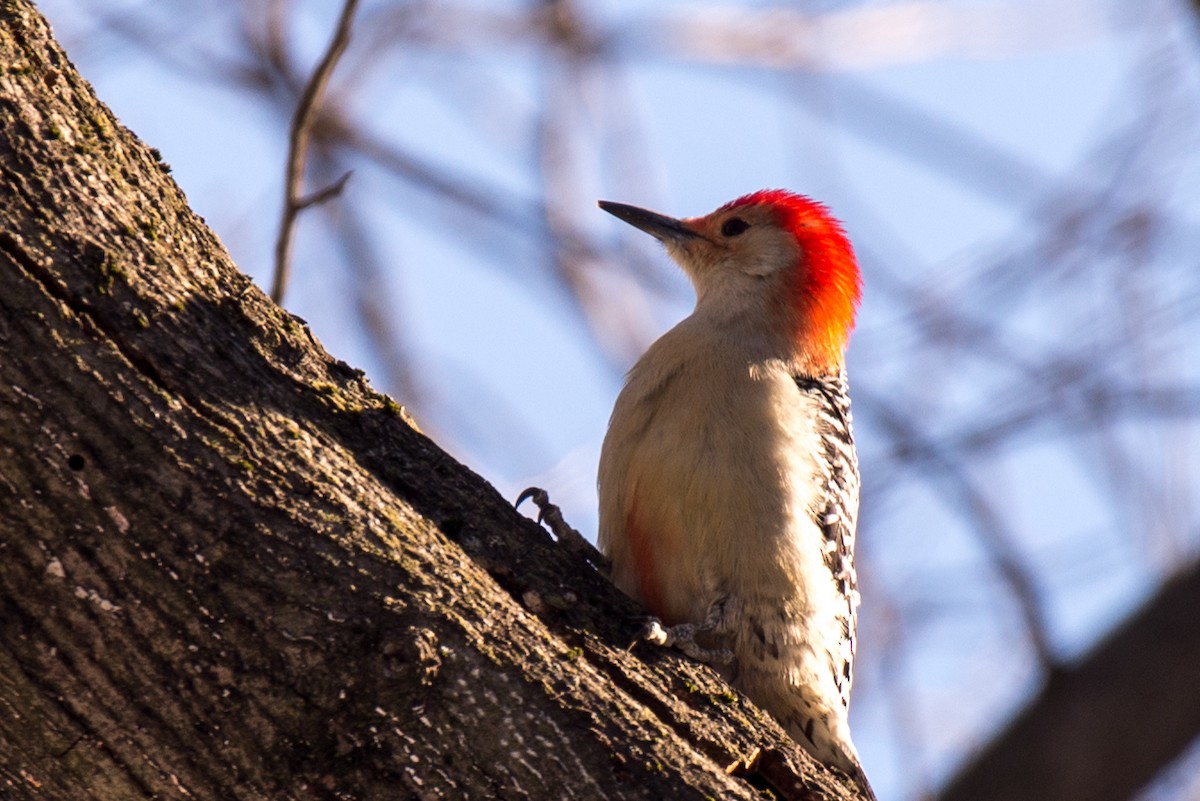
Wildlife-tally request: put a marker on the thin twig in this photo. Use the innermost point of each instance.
(299, 135)
(328, 193)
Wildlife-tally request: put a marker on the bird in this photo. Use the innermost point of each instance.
(728, 479)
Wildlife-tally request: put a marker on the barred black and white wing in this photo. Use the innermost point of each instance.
(836, 513)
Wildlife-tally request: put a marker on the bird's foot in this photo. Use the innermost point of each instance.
(682, 636)
(567, 536)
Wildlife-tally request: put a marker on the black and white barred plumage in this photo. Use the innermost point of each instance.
(837, 513)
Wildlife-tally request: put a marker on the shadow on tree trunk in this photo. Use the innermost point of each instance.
(230, 570)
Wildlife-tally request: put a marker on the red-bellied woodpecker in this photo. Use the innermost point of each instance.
(728, 477)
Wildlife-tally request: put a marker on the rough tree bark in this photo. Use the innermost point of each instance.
(230, 570)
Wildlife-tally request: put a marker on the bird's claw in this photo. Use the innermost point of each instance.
(562, 530)
(540, 497)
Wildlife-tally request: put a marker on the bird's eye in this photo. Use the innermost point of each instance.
(734, 227)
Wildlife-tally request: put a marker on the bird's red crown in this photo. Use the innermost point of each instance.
(827, 285)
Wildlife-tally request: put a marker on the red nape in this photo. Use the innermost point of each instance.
(828, 287)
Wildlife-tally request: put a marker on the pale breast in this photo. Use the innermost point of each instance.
(710, 497)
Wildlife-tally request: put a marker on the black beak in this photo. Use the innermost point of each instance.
(659, 226)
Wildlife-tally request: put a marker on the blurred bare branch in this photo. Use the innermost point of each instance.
(1100, 711)
(870, 35)
(979, 507)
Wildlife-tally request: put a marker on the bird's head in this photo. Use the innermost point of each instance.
(771, 258)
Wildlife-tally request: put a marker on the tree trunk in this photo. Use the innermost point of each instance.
(230, 570)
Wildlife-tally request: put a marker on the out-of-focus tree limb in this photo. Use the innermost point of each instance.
(1105, 727)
